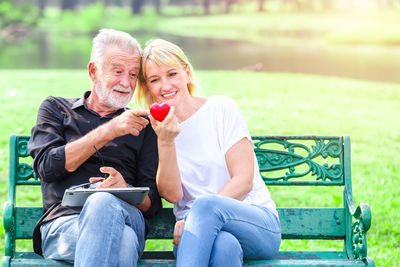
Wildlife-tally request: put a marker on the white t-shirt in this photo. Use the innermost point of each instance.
(201, 145)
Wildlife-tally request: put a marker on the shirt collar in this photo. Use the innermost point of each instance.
(81, 101)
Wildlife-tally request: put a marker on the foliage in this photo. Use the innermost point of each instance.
(14, 16)
(378, 27)
(273, 103)
(78, 22)
(372, 27)
(91, 18)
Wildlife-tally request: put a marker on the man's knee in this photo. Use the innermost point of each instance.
(101, 207)
(59, 238)
(130, 249)
(100, 199)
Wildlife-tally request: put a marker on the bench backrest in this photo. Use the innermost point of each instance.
(283, 160)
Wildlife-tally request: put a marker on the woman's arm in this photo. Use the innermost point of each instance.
(240, 161)
(168, 176)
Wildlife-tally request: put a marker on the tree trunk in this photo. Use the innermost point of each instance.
(157, 5)
(42, 7)
(136, 6)
(261, 5)
(68, 4)
(228, 5)
(206, 5)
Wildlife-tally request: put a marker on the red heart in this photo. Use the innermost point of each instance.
(159, 111)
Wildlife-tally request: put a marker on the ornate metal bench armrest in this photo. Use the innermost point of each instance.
(361, 224)
(9, 227)
(8, 216)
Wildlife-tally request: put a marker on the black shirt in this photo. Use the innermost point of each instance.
(61, 121)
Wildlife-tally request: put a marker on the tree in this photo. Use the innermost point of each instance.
(206, 6)
(261, 5)
(42, 6)
(157, 5)
(228, 5)
(68, 4)
(16, 19)
(136, 6)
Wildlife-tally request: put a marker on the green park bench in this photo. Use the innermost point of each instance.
(302, 162)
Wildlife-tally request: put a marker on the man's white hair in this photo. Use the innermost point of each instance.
(108, 37)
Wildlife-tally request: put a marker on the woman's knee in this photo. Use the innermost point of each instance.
(206, 204)
(226, 251)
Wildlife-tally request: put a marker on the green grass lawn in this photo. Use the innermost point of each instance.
(273, 104)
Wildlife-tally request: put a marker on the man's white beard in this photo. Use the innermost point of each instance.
(111, 100)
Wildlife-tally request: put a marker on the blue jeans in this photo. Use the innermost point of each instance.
(221, 231)
(108, 232)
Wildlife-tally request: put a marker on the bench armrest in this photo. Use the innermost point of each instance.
(9, 227)
(360, 221)
(6, 261)
(360, 226)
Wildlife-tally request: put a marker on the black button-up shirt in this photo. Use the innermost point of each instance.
(61, 121)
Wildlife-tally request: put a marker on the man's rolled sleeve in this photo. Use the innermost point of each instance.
(50, 165)
(47, 145)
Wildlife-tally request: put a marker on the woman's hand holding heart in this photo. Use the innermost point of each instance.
(168, 128)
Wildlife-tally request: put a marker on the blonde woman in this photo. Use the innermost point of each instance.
(207, 168)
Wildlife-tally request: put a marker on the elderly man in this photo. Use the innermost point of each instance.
(85, 138)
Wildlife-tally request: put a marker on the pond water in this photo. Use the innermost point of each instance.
(72, 52)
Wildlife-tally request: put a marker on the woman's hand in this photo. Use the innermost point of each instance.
(168, 129)
(179, 225)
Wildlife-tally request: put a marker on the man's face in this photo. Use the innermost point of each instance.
(117, 80)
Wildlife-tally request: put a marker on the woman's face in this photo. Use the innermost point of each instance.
(167, 83)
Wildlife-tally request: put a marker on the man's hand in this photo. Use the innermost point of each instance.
(114, 180)
(129, 122)
(179, 225)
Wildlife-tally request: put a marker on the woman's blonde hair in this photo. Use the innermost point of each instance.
(162, 52)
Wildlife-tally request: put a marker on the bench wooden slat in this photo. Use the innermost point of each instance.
(292, 258)
(315, 223)
(23, 259)
(25, 219)
(297, 223)
(282, 255)
(162, 226)
(305, 262)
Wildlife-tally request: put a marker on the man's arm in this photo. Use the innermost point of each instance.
(48, 141)
(78, 151)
